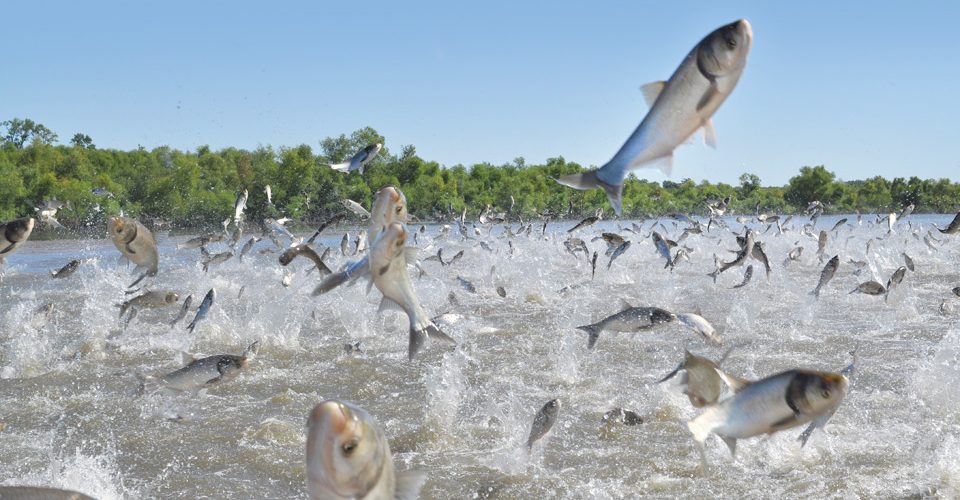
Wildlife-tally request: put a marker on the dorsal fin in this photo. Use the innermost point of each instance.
(651, 91)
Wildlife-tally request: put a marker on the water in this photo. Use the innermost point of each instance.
(70, 416)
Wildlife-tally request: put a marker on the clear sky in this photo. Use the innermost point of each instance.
(866, 89)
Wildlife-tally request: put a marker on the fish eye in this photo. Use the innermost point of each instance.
(825, 393)
(731, 43)
(349, 447)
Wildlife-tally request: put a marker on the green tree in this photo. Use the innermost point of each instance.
(813, 183)
(82, 141)
(22, 131)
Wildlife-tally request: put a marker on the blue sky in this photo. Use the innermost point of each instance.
(864, 89)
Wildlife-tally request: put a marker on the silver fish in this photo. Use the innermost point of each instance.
(839, 224)
(793, 255)
(870, 288)
(152, 299)
(348, 457)
(679, 107)
(589, 221)
(239, 206)
(247, 246)
(826, 274)
(895, 279)
(745, 251)
(772, 404)
(183, 310)
(618, 252)
(135, 242)
(613, 241)
(543, 422)
(359, 160)
(662, 248)
(700, 325)
(203, 309)
(388, 261)
(574, 245)
(457, 256)
(356, 208)
(66, 270)
(219, 258)
(760, 255)
(631, 319)
(907, 210)
(13, 234)
(593, 265)
(306, 251)
(909, 262)
(466, 284)
(203, 373)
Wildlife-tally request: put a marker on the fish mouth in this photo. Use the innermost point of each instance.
(331, 414)
(744, 27)
(117, 223)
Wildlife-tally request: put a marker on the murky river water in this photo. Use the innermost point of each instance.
(70, 415)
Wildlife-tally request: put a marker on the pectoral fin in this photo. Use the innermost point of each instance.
(709, 134)
(387, 304)
(712, 94)
(671, 374)
(732, 444)
(785, 423)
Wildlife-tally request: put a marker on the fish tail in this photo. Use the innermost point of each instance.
(593, 332)
(191, 326)
(435, 333)
(714, 275)
(589, 180)
(417, 339)
(341, 167)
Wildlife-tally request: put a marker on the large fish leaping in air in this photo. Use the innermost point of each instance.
(678, 108)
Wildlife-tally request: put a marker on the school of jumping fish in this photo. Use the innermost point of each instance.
(347, 452)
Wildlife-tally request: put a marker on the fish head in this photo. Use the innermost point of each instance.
(658, 316)
(123, 229)
(346, 450)
(552, 407)
(390, 206)
(813, 393)
(18, 229)
(171, 297)
(724, 51)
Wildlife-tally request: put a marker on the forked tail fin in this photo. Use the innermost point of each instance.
(589, 180)
(593, 332)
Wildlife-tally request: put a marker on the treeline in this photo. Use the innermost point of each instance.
(198, 188)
